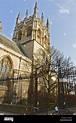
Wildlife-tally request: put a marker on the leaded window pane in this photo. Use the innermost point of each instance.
(7, 71)
(5, 67)
(0, 67)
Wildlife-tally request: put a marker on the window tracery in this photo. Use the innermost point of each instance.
(19, 35)
(5, 67)
(29, 31)
(39, 35)
(45, 41)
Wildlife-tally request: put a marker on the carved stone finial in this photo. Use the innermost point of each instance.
(36, 10)
(47, 24)
(26, 13)
(42, 17)
(18, 19)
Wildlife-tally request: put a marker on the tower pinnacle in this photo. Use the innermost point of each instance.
(18, 19)
(42, 17)
(36, 10)
(26, 13)
(48, 25)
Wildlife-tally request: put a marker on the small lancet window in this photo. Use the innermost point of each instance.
(38, 33)
(29, 31)
(19, 35)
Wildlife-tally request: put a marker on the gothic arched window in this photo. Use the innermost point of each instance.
(39, 35)
(19, 35)
(29, 31)
(45, 41)
(5, 67)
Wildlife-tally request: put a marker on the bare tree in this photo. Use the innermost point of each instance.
(54, 69)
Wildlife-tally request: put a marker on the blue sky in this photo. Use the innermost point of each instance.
(61, 14)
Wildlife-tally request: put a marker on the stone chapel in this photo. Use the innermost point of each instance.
(30, 35)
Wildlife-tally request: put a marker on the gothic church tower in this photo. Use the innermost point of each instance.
(32, 34)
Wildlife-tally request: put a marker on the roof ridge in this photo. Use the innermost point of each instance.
(8, 38)
(10, 44)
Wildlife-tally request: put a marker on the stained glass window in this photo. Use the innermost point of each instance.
(5, 66)
(0, 66)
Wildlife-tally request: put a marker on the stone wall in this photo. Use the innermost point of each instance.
(17, 109)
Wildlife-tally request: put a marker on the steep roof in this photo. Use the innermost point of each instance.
(10, 44)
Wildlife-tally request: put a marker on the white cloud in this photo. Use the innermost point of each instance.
(11, 11)
(51, 22)
(66, 6)
(74, 45)
(70, 1)
(64, 34)
(64, 11)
